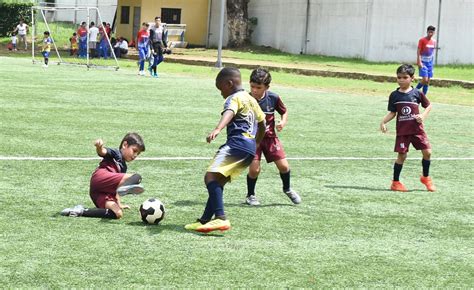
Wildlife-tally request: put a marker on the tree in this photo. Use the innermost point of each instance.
(238, 23)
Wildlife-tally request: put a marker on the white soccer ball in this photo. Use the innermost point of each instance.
(152, 211)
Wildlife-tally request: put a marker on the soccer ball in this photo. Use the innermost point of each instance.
(152, 211)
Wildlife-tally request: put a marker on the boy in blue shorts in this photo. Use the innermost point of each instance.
(270, 146)
(425, 58)
(46, 49)
(245, 123)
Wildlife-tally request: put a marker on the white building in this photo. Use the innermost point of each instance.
(375, 30)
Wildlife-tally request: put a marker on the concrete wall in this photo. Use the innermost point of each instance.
(376, 30)
(106, 9)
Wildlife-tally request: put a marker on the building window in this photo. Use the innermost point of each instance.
(125, 15)
(171, 15)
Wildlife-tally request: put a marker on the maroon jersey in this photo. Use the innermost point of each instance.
(406, 105)
(113, 161)
(270, 103)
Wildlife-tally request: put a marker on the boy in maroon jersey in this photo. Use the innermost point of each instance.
(403, 104)
(270, 146)
(110, 180)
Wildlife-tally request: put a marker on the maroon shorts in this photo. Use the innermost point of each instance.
(103, 186)
(419, 141)
(271, 148)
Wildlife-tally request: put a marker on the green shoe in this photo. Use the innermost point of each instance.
(193, 226)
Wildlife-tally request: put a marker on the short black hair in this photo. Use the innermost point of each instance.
(431, 28)
(228, 73)
(46, 33)
(157, 17)
(261, 76)
(133, 139)
(92, 23)
(83, 23)
(406, 69)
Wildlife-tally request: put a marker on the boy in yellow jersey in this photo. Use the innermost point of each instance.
(245, 123)
(46, 48)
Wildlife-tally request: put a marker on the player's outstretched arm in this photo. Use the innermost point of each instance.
(227, 116)
(99, 147)
(389, 117)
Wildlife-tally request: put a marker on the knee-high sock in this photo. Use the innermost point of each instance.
(397, 168)
(426, 167)
(251, 185)
(99, 213)
(285, 178)
(425, 89)
(215, 202)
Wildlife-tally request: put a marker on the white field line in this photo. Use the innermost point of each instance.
(33, 158)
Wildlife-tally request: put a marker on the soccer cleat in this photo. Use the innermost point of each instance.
(214, 225)
(293, 195)
(141, 73)
(426, 180)
(150, 70)
(45, 65)
(398, 186)
(252, 200)
(193, 226)
(130, 189)
(155, 75)
(76, 211)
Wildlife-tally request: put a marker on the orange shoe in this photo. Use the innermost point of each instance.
(428, 183)
(398, 186)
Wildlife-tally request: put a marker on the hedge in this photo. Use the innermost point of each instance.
(10, 15)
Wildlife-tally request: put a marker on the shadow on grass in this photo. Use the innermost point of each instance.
(159, 228)
(357, 187)
(370, 188)
(243, 204)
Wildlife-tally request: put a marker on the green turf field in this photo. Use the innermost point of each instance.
(349, 231)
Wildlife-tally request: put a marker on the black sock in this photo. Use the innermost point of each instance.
(99, 213)
(154, 69)
(46, 61)
(251, 185)
(134, 179)
(221, 217)
(397, 168)
(285, 178)
(426, 167)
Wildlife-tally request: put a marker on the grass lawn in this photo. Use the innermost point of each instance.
(349, 231)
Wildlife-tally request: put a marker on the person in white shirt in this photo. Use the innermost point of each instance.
(93, 33)
(121, 47)
(22, 30)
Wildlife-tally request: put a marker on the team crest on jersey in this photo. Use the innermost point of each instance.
(406, 110)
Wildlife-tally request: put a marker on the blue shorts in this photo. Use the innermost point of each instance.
(143, 52)
(45, 54)
(230, 162)
(427, 69)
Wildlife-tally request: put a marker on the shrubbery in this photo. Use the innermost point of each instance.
(10, 15)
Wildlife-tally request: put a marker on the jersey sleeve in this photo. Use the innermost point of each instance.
(391, 103)
(231, 104)
(424, 100)
(280, 107)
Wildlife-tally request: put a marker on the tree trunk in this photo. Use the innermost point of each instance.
(238, 23)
